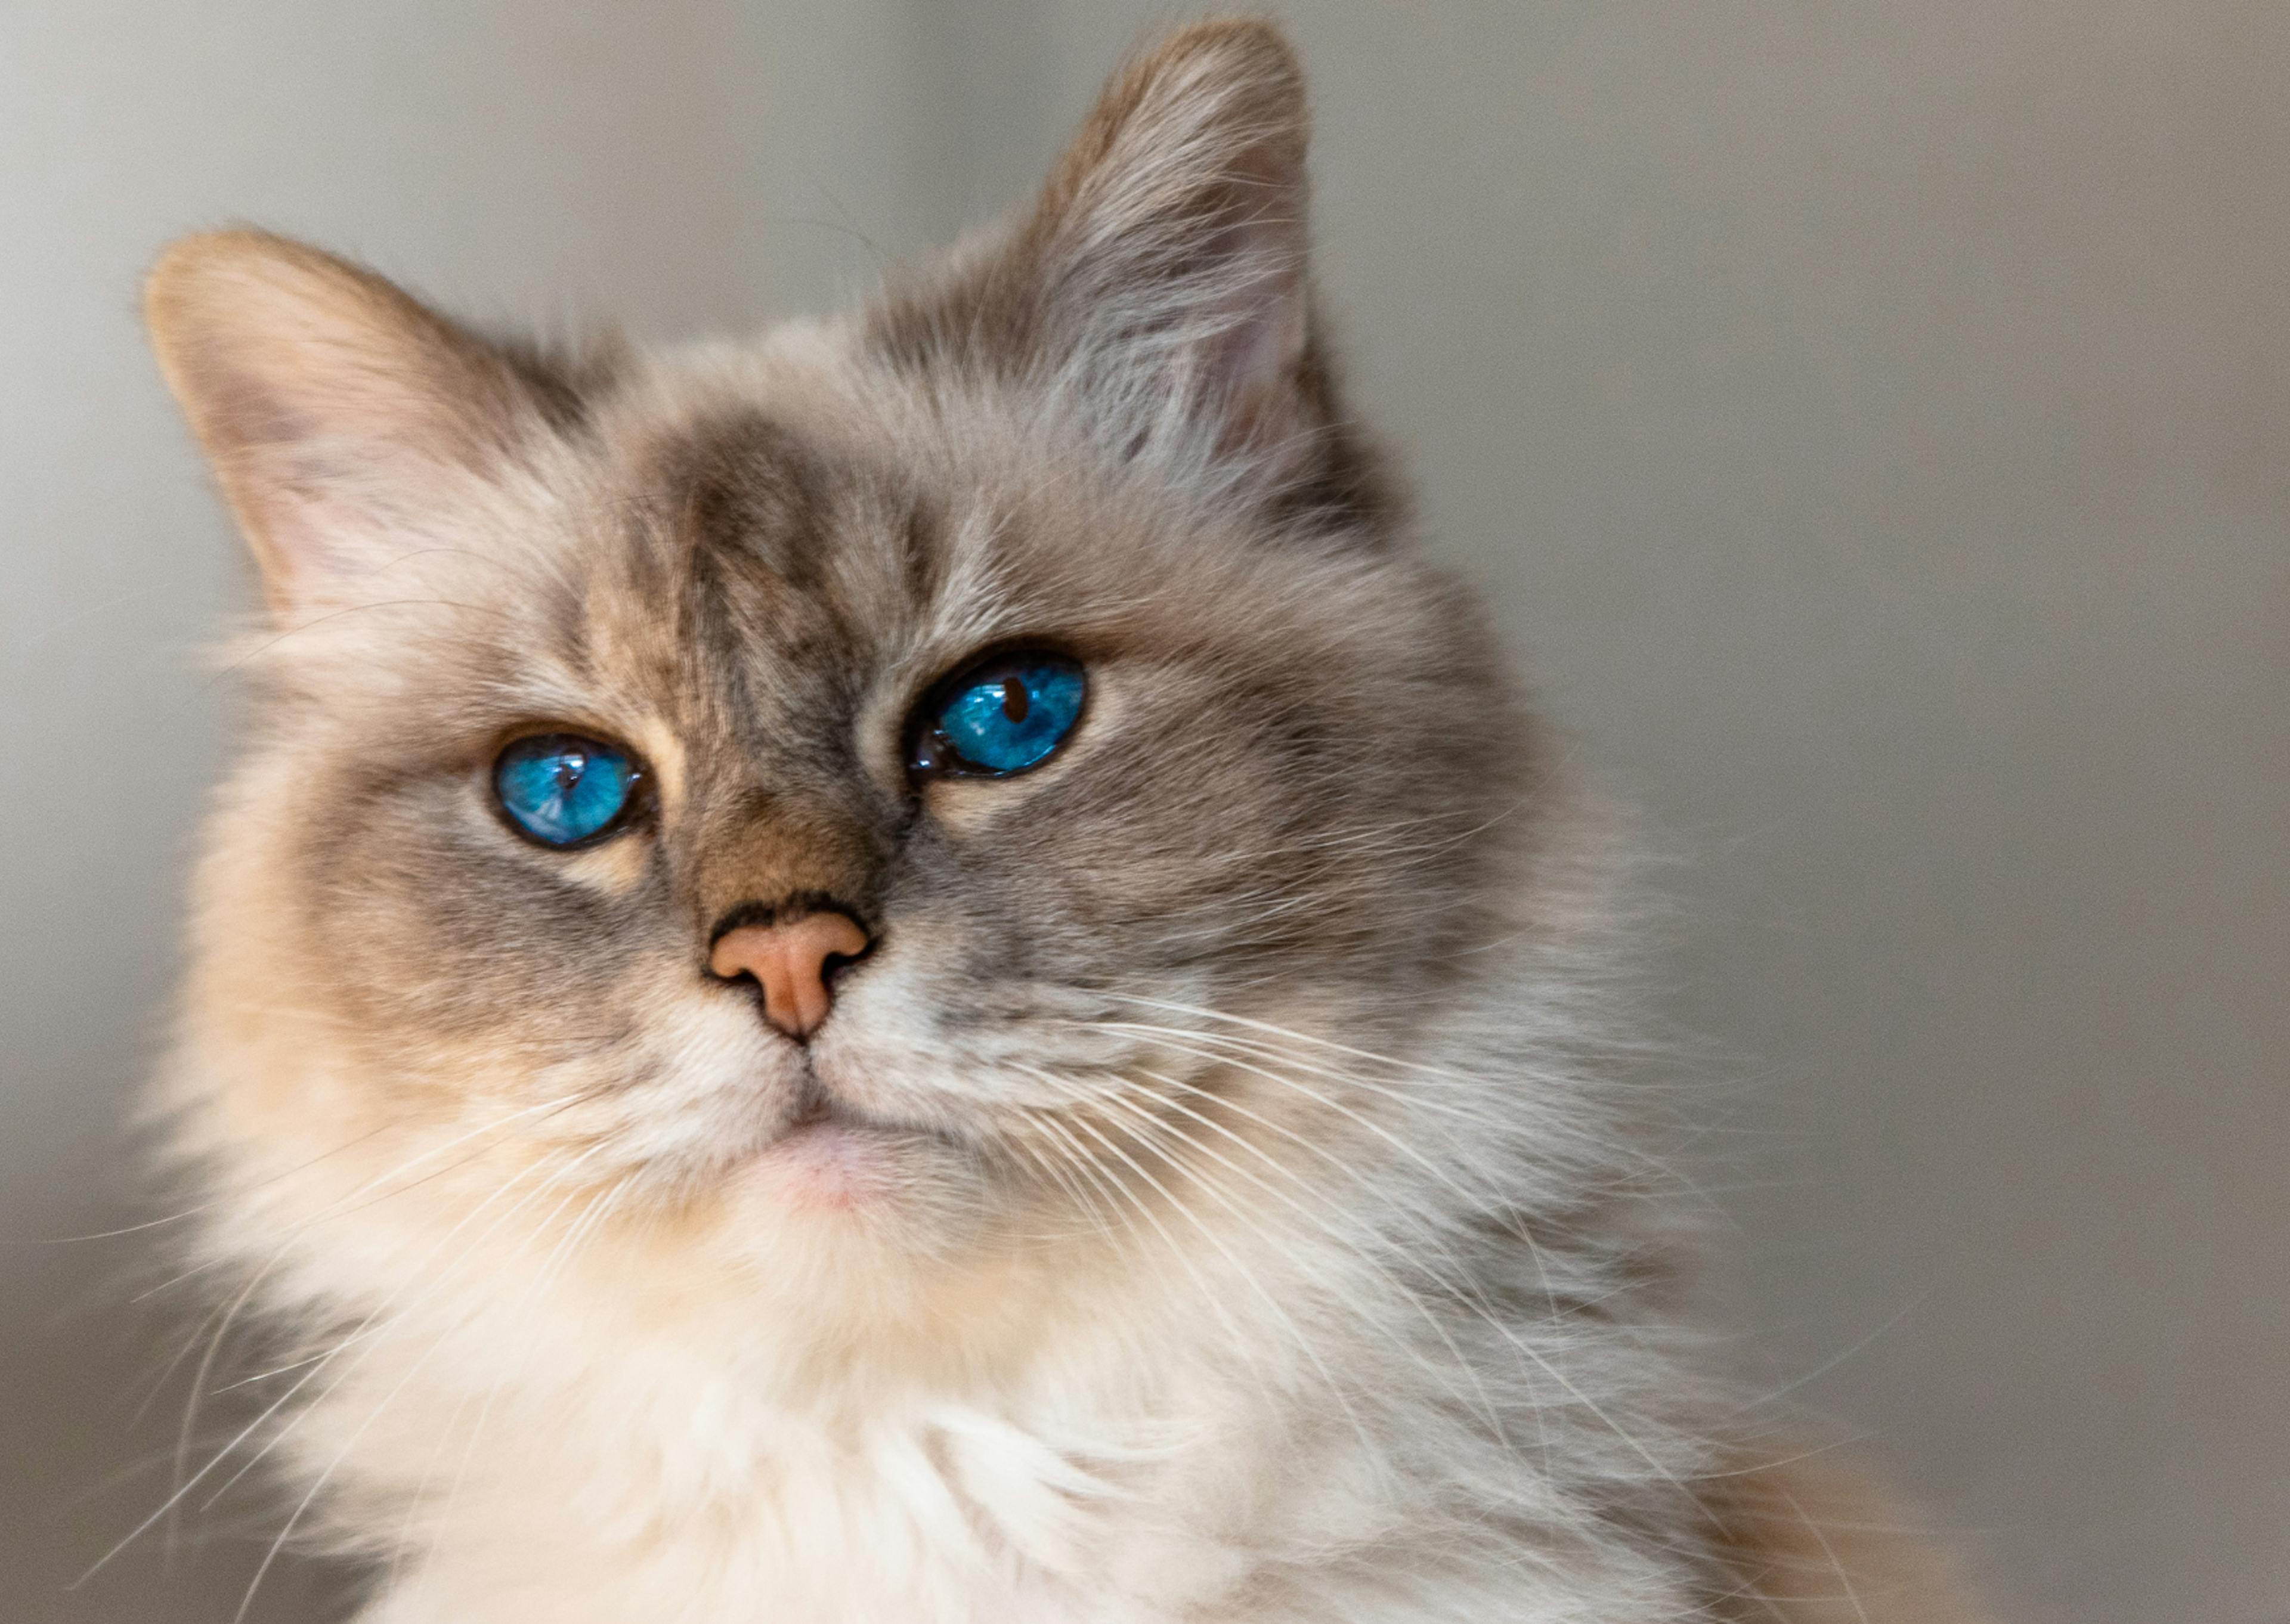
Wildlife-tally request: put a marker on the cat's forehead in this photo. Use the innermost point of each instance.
(742, 542)
(779, 538)
(779, 521)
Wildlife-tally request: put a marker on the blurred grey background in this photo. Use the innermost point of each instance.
(1871, 421)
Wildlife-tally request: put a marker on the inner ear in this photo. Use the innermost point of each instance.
(1253, 339)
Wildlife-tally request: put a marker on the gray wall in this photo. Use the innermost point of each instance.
(1871, 422)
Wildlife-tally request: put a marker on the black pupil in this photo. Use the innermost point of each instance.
(1015, 702)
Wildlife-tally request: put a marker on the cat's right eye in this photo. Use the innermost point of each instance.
(564, 790)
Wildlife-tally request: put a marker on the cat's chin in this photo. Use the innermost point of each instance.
(837, 1171)
(832, 1164)
(863, 1235)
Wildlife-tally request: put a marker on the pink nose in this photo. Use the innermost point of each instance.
(790, 962)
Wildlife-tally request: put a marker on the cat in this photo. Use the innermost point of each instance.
(917, 970)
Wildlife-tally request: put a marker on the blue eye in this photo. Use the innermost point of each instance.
(561, 789)
(1001, 718)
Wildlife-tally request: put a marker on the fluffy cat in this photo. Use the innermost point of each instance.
(916, 971)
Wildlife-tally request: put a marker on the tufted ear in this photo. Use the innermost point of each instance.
(1170, 239)
(1161, 283)
(342, 416)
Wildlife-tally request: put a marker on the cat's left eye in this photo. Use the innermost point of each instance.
(1001, 716)
(561, 789)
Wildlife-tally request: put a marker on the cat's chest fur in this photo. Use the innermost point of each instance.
(659, 1491)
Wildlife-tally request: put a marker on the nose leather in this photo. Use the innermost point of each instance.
(790, 959)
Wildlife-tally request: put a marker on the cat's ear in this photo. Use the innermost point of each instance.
(341, 414)
(1171, 240)
(1161, 284)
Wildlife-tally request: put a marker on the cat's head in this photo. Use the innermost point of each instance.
(960, 774)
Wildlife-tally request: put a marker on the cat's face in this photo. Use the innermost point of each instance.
(1263, 840)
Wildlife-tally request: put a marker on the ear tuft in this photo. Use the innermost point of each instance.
(1215, 113)
(336, 409)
